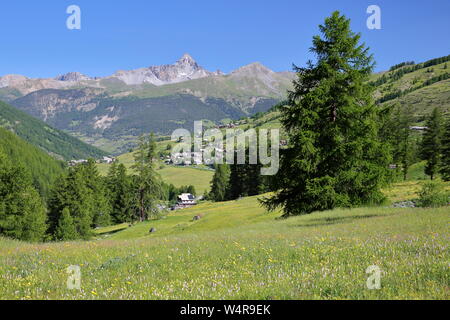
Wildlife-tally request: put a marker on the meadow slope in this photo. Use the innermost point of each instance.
(238, 251)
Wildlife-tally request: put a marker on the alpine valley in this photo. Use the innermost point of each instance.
(111, 112)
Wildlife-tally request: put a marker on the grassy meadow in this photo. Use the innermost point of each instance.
(239, 251)
(199, 177)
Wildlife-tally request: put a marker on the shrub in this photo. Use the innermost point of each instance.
(433, 195)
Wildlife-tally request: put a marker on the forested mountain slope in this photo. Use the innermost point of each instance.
(43, 168)
(52, 141)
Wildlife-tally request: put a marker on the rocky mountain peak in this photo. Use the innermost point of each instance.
(187, 59)
(252, 69)
(72, 77)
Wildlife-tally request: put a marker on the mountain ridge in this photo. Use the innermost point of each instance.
(184, 69)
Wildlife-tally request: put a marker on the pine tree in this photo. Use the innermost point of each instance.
(432, 144)
(335, 158)
(219, 183)
(22, 212)
(445, 153)
(66, 230)
(148, 181)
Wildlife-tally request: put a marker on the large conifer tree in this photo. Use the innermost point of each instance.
(148, 181)
(120, 187)
(335, 158)
(219, 183)
(22, 212)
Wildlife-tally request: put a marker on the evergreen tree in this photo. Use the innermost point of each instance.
(335, 158)
(22, 213)
(66, 230)
(191, 190)
(96, 185)
(445, 159)
(219, 183)
(401, 138)
(71, 192)
(431, 143)
(236, 183)
(148, 181)
(82, 192)
(120, 187)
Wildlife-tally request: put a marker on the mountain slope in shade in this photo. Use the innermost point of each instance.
(43, 168)
(50, 140)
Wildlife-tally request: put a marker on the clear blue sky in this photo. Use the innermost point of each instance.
(219, 34)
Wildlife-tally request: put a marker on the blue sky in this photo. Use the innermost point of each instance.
(219, 34)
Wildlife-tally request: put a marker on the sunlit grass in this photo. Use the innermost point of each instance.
(238, 251)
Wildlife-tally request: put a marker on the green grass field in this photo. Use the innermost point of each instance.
(238, 251)
(200, 178)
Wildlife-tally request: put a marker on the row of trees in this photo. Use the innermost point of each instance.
(22, 211)
(81, 199)
(233, 181)
(409, 147)
(435, 146)
(399, 93)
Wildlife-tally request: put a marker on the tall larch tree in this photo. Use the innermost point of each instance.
(148, 181)
(335, 158)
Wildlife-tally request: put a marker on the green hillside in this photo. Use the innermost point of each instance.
(237, 251)
(422, 86)
(39, 134)
(43, 168)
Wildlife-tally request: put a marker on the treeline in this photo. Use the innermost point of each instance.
(231, 182)
(409, 147)
(400, 73)
(400, 65)
(435, 146)
(80, 199)
(399, 93)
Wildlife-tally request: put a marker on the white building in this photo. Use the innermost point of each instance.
(186, 200)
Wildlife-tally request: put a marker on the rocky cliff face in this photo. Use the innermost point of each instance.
(73, 77)
(183, 70)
